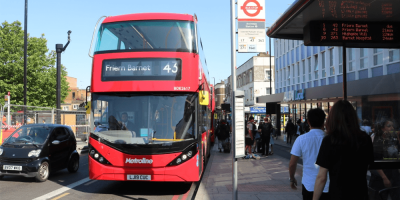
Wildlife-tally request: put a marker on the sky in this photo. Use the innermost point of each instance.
(55, 18)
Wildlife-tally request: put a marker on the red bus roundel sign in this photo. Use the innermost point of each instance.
(250, 10)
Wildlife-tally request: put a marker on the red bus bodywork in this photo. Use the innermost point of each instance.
(212, 136)
(119, 167)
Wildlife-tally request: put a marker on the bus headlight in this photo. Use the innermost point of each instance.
(190, 154)
(178, 161)
(184, 157)
(97, 156)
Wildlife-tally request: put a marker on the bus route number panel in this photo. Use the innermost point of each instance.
(141, 69)
(352, 34)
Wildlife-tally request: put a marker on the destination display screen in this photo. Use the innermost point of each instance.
(141, 69)
(360, 10)
(352, 34)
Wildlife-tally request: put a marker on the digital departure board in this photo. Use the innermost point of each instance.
(352, 34)
(142, 69)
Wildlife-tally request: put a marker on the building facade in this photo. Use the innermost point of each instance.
(255, 79)
(219, 94)
(75, 97)
(311, 77)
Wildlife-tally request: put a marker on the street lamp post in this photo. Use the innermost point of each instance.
(25, 54)
(59, 49)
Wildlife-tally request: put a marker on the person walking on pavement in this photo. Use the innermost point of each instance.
(265, 130)
(290, 129)
(346, 152)
(222, 134)
(307, 146)
(249, 138)
(299, 130)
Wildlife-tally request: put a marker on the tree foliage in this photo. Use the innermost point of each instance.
(41, 69)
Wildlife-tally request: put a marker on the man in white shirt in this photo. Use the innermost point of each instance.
(307, 146)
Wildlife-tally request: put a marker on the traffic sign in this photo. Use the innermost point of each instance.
(251, 26)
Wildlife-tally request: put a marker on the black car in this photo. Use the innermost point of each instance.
(38, 149)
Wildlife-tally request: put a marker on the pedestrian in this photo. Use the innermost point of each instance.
(305, 127)
(298, 129)
(249, 137)
(346, 152)
(307, 146)
(290, 129)
(257, 139)
(385, 143)
(274, 132)
(265, 130)
(222, 134)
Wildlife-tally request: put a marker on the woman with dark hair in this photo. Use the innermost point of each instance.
(385, 143)
(346, 152)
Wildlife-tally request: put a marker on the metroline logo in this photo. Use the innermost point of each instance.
(139, 161)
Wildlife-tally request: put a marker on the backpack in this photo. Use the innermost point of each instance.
(223, 132)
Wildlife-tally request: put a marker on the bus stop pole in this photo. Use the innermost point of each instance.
(233, 76)
(344, 72)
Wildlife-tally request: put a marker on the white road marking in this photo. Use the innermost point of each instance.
(86, 184)
(63, 189)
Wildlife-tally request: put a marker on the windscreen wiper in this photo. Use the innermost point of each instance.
(37, 146)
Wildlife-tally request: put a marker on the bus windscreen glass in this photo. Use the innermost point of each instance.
(141, 69)
(161, 35)
(144, 119)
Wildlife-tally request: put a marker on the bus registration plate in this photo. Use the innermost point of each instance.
(139, 177)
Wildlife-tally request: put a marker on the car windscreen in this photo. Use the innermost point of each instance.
(29, 135)
(123, 118)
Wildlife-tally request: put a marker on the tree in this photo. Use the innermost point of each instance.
(41, 71)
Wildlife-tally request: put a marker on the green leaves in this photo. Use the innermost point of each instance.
(41, 71)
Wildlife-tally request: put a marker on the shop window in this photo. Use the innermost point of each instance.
(378, 57)
(316, 67)
(323, 64)
(394, 55)
(309, 69)
(298, 72)
(363, 74)
(351, 59)
(332, 80)
(340, 60)
(377, 71)
(393, 68)
(331, 65)
(363, 58)
(351, 76)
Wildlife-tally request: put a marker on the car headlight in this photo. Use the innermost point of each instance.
(34, 153)
(1, 150)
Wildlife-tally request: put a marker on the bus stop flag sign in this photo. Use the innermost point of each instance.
(251, 26)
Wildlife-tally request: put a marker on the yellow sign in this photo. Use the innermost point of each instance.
(6, 97)
(215, 116)
(204, 98)
(1, 135)
(88, 107)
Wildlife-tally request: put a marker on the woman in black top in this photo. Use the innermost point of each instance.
(345, 153)
(385, 143)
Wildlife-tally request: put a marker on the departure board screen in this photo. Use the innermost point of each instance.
(352, 34)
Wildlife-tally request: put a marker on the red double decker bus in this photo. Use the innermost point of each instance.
(150, 108)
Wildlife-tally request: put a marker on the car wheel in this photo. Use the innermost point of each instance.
(43, 172)
(73, 164)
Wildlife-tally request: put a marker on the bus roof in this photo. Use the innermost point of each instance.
(148, 16)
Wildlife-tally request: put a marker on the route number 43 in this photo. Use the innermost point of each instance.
(173, 70)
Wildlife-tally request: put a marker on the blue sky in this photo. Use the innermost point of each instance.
(55, 18)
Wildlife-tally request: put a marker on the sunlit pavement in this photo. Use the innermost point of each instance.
(267, 178)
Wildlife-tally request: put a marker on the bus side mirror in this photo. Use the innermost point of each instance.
(204, 98)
